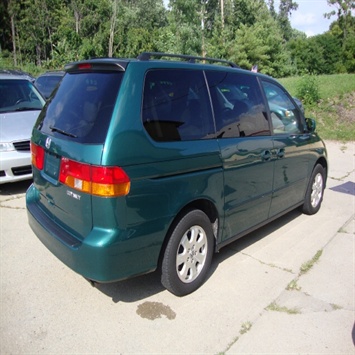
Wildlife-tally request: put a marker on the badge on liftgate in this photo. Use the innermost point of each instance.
(48, 142)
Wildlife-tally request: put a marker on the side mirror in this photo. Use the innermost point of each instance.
(311, 124)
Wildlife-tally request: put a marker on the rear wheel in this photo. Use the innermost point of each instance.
(315, 191)
(188, 254)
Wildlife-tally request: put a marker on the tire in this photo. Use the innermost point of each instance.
(188, 254)
(315, 191)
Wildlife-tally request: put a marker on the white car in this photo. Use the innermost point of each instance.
(20, 105)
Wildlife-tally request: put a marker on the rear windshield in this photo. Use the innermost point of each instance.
(82, 107)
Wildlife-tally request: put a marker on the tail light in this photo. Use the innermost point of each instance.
(105, 181)
(37, 156)
(96, 180)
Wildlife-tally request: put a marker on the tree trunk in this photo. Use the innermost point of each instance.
(13, 34)
(77, 21)
(112, 28)
(222, 13)
(38, 55)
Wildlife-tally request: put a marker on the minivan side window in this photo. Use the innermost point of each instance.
(176, 105)
(237, 104)
(285, 116)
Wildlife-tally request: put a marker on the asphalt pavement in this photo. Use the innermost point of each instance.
(288, 288)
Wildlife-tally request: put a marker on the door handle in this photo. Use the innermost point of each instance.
(280, 153)
(266, 155)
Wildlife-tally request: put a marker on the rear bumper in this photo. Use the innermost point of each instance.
(105, 255)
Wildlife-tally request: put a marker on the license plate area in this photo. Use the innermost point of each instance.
(52, 165)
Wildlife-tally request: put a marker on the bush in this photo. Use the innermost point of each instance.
(308, 90)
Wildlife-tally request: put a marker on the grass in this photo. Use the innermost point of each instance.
(332, 122)
(293, 286)
(329, 85)
(31, 68)
(277, 308)
(334, 113)
(336, 307)
(245, 327)
(305, 267)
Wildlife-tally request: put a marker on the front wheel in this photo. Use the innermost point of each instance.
(315, 191)
(188, 254)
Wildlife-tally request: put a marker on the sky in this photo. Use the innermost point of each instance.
(308, 17)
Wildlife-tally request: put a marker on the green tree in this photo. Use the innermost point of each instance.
(37, 24)
(51, 33)
(331, 53)
(285, 9)
(344, 14)
(246, 12)
(67, 39)
(185, 22)
(261, 44)
(271, 5)
(307, 56)
(5, 29)
(316, 55)
(344, 29)
(138, 28)
(349, 48)
(9, 39)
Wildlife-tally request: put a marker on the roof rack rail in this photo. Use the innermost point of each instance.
(192, 59)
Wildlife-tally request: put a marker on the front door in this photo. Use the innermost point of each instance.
(291, 149)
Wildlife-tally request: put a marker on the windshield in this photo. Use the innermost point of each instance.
(19, 95)
(47, 83)
(81, 107)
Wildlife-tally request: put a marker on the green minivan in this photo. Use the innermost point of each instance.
(160, 161)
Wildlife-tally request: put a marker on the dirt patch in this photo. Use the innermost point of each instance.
(155, 310)
(342, 106)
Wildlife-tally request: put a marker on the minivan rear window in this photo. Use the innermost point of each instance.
(82, 107)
